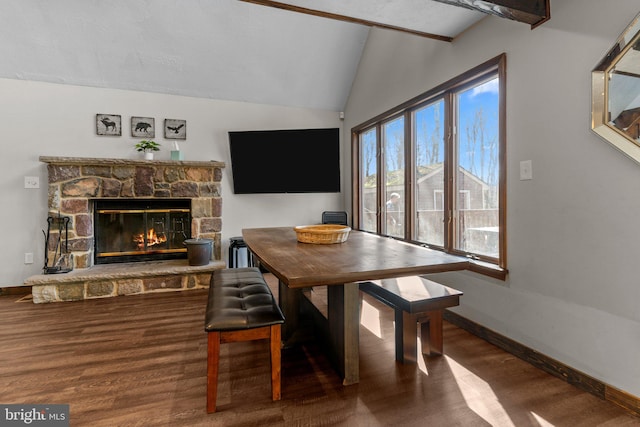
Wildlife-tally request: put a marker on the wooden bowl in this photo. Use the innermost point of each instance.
(324, 234)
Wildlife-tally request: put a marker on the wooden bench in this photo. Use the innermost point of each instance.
(415, 299)
(240, 307)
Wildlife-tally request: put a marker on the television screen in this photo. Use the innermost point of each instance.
(285, 161)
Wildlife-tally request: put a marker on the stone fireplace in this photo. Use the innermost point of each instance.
(78, 185)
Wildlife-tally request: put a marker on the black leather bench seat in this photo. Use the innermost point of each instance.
(239, 298)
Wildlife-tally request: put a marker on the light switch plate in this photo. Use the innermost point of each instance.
(526, 170)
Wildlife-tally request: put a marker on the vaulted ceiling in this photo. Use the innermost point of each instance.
(286, 54)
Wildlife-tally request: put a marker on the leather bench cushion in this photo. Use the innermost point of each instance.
(239, 298)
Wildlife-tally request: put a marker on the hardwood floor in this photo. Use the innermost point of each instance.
(141, 361)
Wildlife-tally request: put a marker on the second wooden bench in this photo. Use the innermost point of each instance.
(415, 299)
(240, 307)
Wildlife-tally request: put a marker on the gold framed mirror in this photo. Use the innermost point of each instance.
(615, 106)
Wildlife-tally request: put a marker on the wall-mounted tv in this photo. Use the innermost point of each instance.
(285, 161)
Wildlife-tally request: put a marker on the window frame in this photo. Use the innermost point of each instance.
(494, 267)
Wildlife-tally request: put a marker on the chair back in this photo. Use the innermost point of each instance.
(334, 217)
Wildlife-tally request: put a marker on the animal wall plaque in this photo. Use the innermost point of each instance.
(109, 124)
(143, 127)
(175, 129)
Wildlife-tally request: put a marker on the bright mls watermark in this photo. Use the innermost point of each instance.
(34, 415)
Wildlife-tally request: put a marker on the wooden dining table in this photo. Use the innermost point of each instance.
(339, 266)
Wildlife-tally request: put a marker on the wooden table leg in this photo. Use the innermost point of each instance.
(344, 329)
(289, 302)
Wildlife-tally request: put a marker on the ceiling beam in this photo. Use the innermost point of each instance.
(345, 18)
(532, 12)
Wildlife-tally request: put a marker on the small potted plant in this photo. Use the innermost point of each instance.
(147, 147)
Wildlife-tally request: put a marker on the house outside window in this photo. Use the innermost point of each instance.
(442, 157)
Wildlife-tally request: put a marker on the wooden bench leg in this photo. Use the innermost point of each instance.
(406, 336)
(431, 333)
(214, 339)
(275, 345)
(213, 359)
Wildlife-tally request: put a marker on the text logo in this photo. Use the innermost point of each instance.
(34, 415)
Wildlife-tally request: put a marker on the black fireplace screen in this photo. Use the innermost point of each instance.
(141, 230)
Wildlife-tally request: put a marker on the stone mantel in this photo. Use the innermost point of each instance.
(86, 161)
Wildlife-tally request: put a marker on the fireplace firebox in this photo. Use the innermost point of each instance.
(141, 230)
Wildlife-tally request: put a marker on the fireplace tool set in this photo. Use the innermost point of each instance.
(62, 260)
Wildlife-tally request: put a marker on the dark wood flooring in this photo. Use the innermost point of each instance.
(141, 361)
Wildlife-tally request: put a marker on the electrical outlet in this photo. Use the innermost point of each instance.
(28, 258)
(31, 182)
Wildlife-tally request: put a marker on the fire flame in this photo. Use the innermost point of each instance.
(152, 239)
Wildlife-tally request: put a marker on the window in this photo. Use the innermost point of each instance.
(393, 171)
(432, 170)
(428, 163)
(368, 180)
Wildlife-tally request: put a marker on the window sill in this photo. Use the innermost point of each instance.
(487, 269)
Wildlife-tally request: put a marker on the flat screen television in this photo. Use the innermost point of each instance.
(285, 161)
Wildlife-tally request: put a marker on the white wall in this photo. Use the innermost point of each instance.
(573, 291)
(45, 119)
